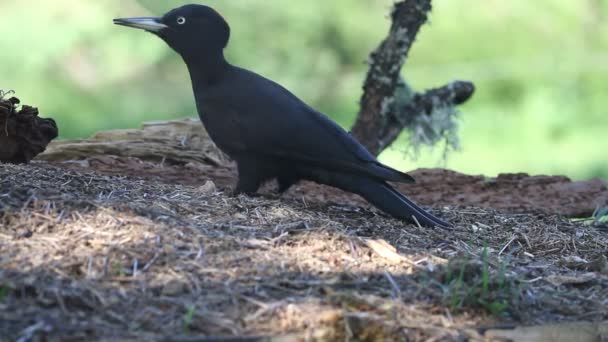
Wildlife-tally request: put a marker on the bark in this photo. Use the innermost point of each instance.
(23, 134)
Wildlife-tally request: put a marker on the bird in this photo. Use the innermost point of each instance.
(267, 130)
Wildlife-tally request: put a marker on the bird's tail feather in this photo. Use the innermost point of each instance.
(394, 203)
(389, 200)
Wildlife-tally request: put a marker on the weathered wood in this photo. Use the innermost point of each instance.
(176, 142)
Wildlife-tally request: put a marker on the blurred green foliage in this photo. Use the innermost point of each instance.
(541, 70)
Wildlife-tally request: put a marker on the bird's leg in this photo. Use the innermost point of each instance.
(247, 185)
(250, 177)
(285, 182)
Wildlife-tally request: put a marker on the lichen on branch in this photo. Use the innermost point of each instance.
(388, 104)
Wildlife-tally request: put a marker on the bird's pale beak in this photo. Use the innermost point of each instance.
(148, 24)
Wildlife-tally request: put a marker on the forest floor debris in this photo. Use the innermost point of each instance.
(85, 254)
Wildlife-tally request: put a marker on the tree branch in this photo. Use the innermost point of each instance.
(388, 104)
(426, 103)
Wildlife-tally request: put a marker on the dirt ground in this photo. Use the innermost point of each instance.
(514, 193)
(122, 244)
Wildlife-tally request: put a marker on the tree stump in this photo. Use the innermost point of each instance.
(23, 134)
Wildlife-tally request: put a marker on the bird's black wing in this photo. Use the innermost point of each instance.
(266, 119)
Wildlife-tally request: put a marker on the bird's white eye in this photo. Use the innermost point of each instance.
(181, 20)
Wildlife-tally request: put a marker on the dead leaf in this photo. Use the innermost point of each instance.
(208, 188)
(385, 250)
(558, 280)
(573, 261)
(173, 288)
(566, 332)
(600, 265)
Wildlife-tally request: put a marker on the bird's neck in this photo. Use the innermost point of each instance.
(208, 69)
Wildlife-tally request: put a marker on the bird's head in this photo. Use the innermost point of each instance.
(191, 30)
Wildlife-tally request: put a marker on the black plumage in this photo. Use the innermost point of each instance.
(268, 131)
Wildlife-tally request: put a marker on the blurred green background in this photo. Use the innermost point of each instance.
(540, 67)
